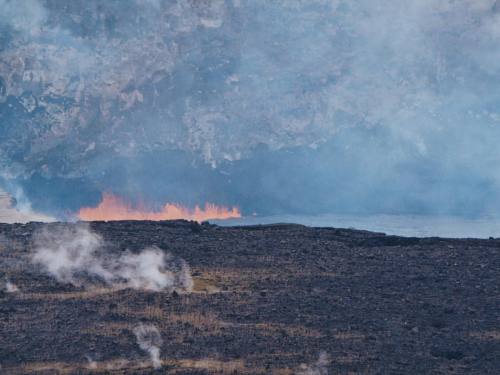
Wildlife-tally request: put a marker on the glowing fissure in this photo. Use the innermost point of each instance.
(113, 208)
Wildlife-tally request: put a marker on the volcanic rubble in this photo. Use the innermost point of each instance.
(271, 299)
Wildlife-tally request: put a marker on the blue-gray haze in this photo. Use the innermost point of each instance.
(282, 106)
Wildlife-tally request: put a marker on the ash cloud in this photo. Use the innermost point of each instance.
(77, 255)
(279, 107)
(149, 339)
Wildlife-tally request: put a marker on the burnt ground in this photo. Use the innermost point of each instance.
(266, 300)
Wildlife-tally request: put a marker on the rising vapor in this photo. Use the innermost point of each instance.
(77, 255)
(320, 367)
(149, 339)
(8, 286)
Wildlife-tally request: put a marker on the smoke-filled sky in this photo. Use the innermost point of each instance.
(286, 106)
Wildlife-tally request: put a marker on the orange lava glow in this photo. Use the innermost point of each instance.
(113, 208)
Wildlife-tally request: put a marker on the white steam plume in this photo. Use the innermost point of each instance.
(149, 339)
(76, 255)
(11, 287)
(8, 286)
(92, 365)
(318, 368)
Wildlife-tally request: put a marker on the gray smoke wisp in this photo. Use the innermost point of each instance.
(320, 367)
(149, 339)
(91, 363)
(77, 255)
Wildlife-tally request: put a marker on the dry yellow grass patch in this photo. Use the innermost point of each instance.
(63, 368)
(201, 285)
(270, 329)
(291, 330)
(108, 328)
(204, 286)
(237, 277)
(349, 335)
(90, 293)
(196, 319)
(228, 367)
(242, 279)
(132, 311)
(347, 358)
(203, 321)
(152, 312)
(41, 367)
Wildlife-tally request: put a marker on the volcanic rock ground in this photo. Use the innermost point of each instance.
(267, 299)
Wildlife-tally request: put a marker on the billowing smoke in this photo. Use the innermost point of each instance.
(283, 106)
(320, 367)
(78, 256)
(149, 339)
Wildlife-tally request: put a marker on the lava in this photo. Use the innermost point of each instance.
(114, 208)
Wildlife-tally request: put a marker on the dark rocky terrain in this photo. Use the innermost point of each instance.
(266, 300)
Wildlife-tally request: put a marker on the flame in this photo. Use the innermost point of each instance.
(113, 208)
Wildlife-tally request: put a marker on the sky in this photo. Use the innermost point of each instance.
(276, 107)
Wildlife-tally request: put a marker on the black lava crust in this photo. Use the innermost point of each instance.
(273, 299)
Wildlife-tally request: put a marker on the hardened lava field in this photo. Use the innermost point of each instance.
(274, 299)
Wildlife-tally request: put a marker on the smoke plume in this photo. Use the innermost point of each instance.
(77, 255)
(149, 339)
